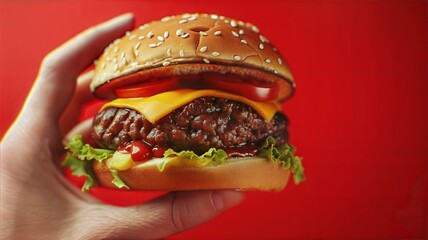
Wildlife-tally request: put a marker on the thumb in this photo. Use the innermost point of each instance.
(167, 215)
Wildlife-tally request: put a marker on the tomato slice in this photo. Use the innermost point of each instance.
(261, 93)
(147, 89)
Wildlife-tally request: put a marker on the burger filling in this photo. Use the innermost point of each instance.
(207, 122)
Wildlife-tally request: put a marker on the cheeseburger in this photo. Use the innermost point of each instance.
(194, 103)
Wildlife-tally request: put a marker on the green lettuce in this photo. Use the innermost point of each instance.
(80, 169)
(117, 181)
(83, 151)
(217, 156)
(283, 154)
(80, 158)
(81, 155)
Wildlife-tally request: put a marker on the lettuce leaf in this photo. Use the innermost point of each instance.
(117, 180)
(283, 154)
(80, 169)
(79, 158)
(84, 151)
(212, 155)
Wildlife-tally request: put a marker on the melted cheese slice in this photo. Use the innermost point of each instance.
(156, 107)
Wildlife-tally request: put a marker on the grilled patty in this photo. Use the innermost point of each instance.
(201, 124)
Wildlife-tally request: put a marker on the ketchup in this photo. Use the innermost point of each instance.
(139, 151)
(158, 151)
(247, 151)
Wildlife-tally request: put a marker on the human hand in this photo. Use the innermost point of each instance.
(37, 202)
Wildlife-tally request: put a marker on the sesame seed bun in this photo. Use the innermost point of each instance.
(246, 174)
(188, 45)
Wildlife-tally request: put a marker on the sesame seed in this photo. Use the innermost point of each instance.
(114, 60)
(141, 37)
(116, 66)
(166, 64)
(134, 64)
(192, 18)
(236, 57)
(279, 61)
(136, 53)
(241, 23)
(127, 33)
(150, 34)
(203, 33)
(160, 38)
(181, 53)
(185, 35)
(241, 31)
(122, 55)
(214, 16)
(153, 45)
(116, 49)
(203, 49)
(182, 21)
(116, 41)
(261, 46)
(267, 60)
(137, 45)
(168, 52)
(215, 54)
(132, 37)
(165, 19)
(142, 27)
(206, 60)
(276, 72)
(103, 65)
(263, 39)
(166, 34)
(217, 33)
(244, 41)
(124, 61)
(186, 15)
(222, 17)
(233, 23)
(108, 59)
(255, 29)
(179, 32)
(159, 43)
(227, 21)
(235, 34)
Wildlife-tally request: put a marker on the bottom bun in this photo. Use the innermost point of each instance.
(239, 173)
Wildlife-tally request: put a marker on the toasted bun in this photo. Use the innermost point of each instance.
(245, 174)
(188, 45)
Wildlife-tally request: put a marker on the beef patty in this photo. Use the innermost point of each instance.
(201, 124)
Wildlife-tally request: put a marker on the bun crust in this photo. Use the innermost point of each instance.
(191, 44)
(245, 174)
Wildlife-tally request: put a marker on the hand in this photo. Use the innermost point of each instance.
(37, 202)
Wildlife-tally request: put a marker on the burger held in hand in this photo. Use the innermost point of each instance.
(194, 103)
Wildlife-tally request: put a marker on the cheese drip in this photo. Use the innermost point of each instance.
(158, 106)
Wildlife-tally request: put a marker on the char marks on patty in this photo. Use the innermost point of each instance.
(201, 124)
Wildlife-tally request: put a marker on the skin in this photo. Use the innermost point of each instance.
(37, 202)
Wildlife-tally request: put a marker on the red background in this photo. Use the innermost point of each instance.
(359, 116)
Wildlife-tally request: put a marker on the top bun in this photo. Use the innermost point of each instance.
(187, 45)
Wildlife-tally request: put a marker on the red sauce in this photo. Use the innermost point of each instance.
(247, 151)
(158, 151)
(139, 151)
